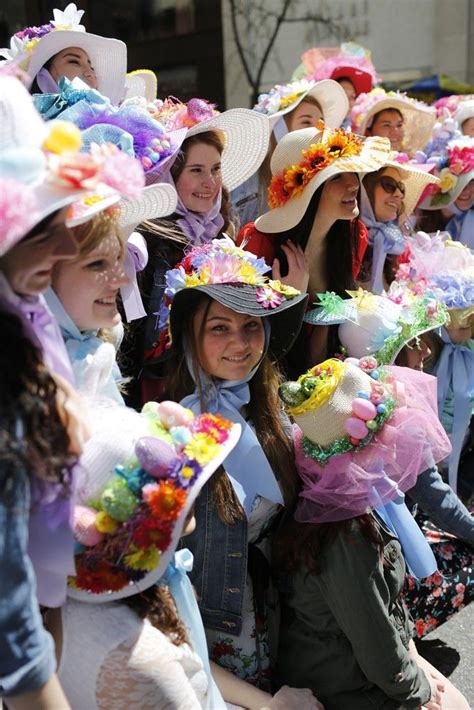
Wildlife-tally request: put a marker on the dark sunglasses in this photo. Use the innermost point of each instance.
(390, 185)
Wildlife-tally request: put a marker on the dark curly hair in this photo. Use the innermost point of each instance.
(32, 434)
(157, 605)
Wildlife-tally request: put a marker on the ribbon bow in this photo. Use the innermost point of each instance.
(136, 259)
(69, 93)
(455, 370)
(384, 239)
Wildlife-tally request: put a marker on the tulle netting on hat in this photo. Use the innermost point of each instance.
(412, 441)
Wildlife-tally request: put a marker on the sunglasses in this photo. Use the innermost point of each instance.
(389, 185)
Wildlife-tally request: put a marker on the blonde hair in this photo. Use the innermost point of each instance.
(91, 234)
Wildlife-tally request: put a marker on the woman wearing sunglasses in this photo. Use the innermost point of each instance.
(388, 197)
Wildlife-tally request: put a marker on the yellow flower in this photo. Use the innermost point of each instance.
(29, 46)
(447, 181)
(187, 472)
(365, 300)
(202, 448)
(248, 274)
(104, 523)
(145, 560)
(196, 279)
(296, 178)
(289, 100)
(285, 290)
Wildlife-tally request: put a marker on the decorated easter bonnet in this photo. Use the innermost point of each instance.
(303, 160)
(349, 61)
(236, 279)
(379, 325)
(141, 82)
(415, 178)
(418, 117)
(41, 168)
(139, 477)
(283, 98)
(455, 169)
(34, 46)
(363, 434)
(464, 111)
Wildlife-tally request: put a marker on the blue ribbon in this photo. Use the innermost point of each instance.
(247, 466)
(384, 239)
(70, 93)
(417, 553)
(188, 611)
(455, 371)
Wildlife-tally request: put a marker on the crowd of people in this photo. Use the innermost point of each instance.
(237, 385)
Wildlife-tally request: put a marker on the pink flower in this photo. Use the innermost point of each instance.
(420, 628)
(18, 212)
(457, 601)
(460, 588)
(78, 170)
(268, 297)
(124, 174)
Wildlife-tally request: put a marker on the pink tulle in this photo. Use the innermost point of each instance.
(124, 174)
(412, 441)
(326, 69)
(18, 212)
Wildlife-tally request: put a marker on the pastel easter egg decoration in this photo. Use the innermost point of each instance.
(352, 361)
(118, 500)
(367, 363)
(371, 424)
(173, 414)
(181, 435)
(156, 456)
(146, 162)
(354, 441)
(381, 408)
(363, 395)
(375, 374)
(63, 137)
(84, 527)
(363, 408)
(356, 428)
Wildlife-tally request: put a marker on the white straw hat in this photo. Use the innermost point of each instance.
(283, 98)
(418, 117)
(34, 46)
(360, 155)
(457, 172)
(141, 82)
(153, 202)
(415, 180)
(464, 111)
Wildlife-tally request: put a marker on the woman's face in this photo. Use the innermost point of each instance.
(348, 87)
(200, 181)
(465, 198)
(72, 62)
(389, 124)
(388, 195)
(88, 287)
(468, 127)
(339, 197)
(305, 115)
(230, 344)
(414, 354)
(28, 266)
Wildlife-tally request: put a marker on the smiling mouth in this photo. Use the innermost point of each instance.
(203, 195)
(350, 201)
(241, 358)
(106, 301)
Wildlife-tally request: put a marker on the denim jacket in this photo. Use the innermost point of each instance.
(26, 650)
(220, 565)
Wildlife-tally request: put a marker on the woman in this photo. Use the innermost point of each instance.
(226, 332)
(344, 629)
(62, 48)
(405, 121)
(388, 198)
(288, 107)
(314, 200)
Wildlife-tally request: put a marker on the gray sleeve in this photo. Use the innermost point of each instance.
(438, 500)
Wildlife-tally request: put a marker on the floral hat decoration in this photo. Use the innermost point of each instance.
(236, 279)
(379, 325)
(283, 98)
(34, 46)
(42, 170)
(349, 61)
(455, 169)
(139, 477)
(303, 160)
(362, 433)
(443, 268)
(418, 117)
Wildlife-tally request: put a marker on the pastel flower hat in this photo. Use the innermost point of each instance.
(42, 170)
(418, 117)
(362, 433)
(303, 160)
(236, 279)
(139, 477)
(34, 46)
(283, 98)
(379, 325)
(443, 268)
(350, 61)
(455, 169)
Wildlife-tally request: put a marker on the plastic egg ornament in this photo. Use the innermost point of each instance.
(84, 527)
(363, 408)
(156, 457)
(356, 428)
(63, 136)
(173, 414)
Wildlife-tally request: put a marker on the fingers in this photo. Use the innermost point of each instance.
(276, 275)
(294, 254)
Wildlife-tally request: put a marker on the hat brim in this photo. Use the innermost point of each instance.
(439, 200)
(330, 96)
(418, 121)
(415, 179)
(465, 110)
(108, 57)
(153, 202)
(141, 82)
(360, 80)
(286, 319)
(81, 212)
(154, 576)
(373, 156)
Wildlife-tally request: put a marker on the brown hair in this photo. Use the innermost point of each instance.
(375, 117)
(157, 605)
(264, 410)
(92, 233)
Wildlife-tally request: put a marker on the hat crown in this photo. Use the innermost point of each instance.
(20, 124)
(289, 149)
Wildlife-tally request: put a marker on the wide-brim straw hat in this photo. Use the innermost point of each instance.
(328, 93)
(418, 117)
(285, 319)
(464, 111)
(374, 153)
(415, 179)
(83, 210)
(115, 431)
(141, 82)
(154, 201)
(438, 200)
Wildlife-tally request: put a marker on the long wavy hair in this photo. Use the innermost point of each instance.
(32, 435)
(264, 410)
(157, 605)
